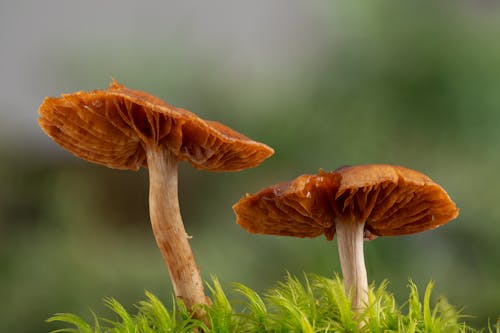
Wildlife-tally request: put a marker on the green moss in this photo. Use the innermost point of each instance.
(313, 304)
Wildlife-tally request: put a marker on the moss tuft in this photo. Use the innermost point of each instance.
(313, 304)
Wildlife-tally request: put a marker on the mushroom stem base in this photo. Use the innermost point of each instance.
(352, 260)
(168, 228)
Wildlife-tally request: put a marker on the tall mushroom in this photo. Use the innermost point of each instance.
(356, 203)
(127, 129)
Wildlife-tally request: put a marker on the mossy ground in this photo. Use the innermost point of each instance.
(313, 304)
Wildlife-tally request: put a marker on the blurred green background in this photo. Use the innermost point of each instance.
(325, 84)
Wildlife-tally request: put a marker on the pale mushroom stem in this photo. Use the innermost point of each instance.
(168, 227)
(350, 242)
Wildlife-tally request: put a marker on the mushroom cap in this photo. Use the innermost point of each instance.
(114, 126)
(297, 208)
(390, 200)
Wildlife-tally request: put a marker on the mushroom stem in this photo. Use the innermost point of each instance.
(350, 243)
(168, 227)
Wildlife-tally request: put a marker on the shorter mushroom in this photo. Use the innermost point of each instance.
(356, 203)
(123, 128)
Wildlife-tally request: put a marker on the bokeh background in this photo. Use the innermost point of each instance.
(326, 84)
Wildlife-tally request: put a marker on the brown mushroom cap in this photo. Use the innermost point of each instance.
(112, 127)
(286, 209)
(390, 200)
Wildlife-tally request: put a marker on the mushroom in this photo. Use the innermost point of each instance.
(123, 128)
(356, 203)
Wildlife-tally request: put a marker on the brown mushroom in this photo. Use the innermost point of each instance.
(356, 203)
(125, 129)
